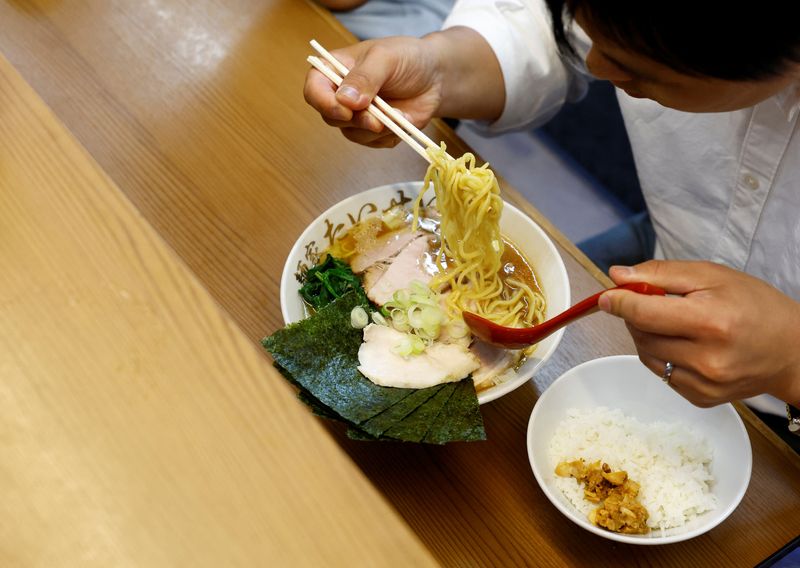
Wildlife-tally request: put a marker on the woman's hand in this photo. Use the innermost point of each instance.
(452, 73)
(729, 335)
(400, 68)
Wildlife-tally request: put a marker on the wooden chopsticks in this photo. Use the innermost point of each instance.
(380, 109)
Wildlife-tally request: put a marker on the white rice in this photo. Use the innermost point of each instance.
(669, 461)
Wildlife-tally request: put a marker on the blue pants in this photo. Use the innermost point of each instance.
(381, 18)
(630, 242)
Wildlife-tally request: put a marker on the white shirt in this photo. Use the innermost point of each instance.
(723, 187)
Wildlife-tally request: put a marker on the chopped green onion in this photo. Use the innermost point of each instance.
(420, 288)
(409, 345)
(402, 297)
(359, 318)
(403, 348)
(431, 316)
(416, 310)
(399, 320)
(415, 317)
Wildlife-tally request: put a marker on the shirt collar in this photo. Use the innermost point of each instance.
(789, 101)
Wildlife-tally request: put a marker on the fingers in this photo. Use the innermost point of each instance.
(676, 349)
(342, 107)
(398, 67)
(373, 67)
(716, 366)
(654, 314)
(359, 126)
(669, 315)
(320, 93)
(361, 119)
(369, 139)
(368, 72)
(688, 384)
(676, 277)
(696, 313)
(700, 375)
(724, 345)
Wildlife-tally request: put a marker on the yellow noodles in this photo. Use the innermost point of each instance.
(469, 260)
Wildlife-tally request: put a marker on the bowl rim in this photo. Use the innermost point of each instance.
(490, 394)
(571, 514)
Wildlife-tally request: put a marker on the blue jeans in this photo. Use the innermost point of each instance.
(630, 242)
(381, 18)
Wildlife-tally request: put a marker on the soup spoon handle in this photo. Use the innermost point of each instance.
(519, 337)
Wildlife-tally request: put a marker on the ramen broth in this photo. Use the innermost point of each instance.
(517, 267)
(514, 264)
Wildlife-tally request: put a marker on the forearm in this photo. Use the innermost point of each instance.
(472, 81)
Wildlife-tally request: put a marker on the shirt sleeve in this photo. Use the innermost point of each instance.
(537, 80)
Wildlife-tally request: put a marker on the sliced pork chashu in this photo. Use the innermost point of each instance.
(407, 266)
(385, 247)
(439, 363)
(494, 361)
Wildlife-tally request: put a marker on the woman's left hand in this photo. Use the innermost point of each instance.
(729, 335)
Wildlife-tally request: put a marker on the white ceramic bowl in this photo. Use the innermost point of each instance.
(515, 225)
(623, 382)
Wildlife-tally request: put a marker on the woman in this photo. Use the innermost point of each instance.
(710, 98)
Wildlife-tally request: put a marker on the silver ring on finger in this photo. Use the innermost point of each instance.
(667, 374)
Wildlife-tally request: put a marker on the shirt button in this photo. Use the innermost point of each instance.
(750, 181)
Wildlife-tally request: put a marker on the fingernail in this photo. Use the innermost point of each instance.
(374, 124)
(348, 93)
(621, 270)
(369, 122)
(604, 303)
(339, 113)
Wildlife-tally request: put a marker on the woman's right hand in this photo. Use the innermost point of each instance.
(452, 73)
(403, 69)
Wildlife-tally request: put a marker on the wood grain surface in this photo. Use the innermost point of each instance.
(194, 110)
(138, 426)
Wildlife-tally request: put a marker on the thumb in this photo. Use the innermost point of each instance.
(676, 277)
(372, 69)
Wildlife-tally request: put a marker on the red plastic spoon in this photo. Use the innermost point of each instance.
(519, 337)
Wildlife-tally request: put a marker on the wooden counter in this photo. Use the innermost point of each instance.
(157, 164)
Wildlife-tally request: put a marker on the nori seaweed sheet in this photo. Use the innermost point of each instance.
(317, 407)
(393, 415)
(460, 419)
(359, 435)
(414, 427)
(309, 399)
(319, 355)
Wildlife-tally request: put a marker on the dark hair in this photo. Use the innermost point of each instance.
(726, 40)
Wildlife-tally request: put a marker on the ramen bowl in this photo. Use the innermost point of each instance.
(515, 226)
(623, 383)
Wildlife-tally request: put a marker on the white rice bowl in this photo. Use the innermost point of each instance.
(693, 464)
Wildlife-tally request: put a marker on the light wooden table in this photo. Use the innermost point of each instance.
(157, 162)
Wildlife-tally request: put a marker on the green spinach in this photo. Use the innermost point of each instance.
(329, 280)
